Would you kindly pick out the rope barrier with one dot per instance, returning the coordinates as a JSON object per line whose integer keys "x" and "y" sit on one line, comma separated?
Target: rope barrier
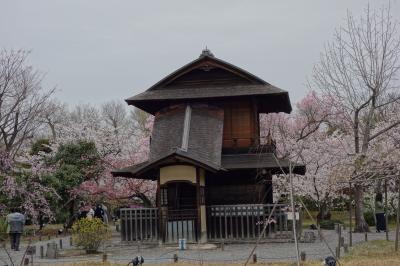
{"x": 184, "y": 258}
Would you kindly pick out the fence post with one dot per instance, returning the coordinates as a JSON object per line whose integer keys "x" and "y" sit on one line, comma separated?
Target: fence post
{"x": 61, "y": 243}
{"x": 350, "y": 216}
{"x": 300, "y": 222}
{"x": 386, "y": 213}
{"x": 303, "y": 256}
{"x": 41, "y": 252}
{"x": 254, "y": 258}
{"x": 339, "y": 232}
{"x": 346, "y": 248}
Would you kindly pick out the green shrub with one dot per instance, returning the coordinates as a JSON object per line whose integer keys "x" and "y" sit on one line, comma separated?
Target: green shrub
{"x": 369, "y": 217}
{"x": 90, "y": 234}
{"x": 310, "y": 203}
{"x": 61, "y": 216}
{"x": 329, "y": 224}
{"x": 3, "y": 229}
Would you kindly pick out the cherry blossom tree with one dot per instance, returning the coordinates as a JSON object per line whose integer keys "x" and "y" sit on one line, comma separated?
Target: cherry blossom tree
{"x": 119, "y": 144}
{"x": 306, "y": 137}
{"x": 358, "y": 71}
{"x": 317, "y": 135}
{"x": 21, "y": 186}
{"x": 22, "y": 100}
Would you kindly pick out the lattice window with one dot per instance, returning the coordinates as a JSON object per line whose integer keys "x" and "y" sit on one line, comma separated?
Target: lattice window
{"x": 164, "y": 196}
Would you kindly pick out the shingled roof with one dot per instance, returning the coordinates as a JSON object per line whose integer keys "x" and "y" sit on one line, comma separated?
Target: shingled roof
{"x": 169, "y": 141}
{"x": 202, "y": 122}
{"x": 149, "y": 169}
{"x": 229, "y": 162}
{"x": 211, "y": 78}
{"x": 259, "y": 161}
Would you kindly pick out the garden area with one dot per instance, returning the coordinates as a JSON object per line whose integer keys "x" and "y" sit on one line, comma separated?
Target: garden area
{"x": 58, "y": 159}
{"x": 374, "y": 253}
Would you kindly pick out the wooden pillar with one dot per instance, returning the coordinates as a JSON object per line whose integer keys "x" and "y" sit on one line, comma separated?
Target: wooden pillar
{"x": 201, "y": 207}
{"x": 256, "y": 120}
{"x": 269, "y": 189}
{"x": 158, "y": 194}
{"x": 161, "y": 214}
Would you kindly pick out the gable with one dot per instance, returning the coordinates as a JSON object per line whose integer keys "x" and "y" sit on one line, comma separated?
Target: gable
{"x": 206, "y": 71}
{"x": 206, "y": 76}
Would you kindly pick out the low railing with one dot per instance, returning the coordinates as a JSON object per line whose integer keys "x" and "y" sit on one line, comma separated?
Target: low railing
{"x": 246, "y": 222}
{"x": 139, "y": 224}
{"x": 180, "y": 224}
{"x": 224, "y": 223}
{"x": 148, "y": 225}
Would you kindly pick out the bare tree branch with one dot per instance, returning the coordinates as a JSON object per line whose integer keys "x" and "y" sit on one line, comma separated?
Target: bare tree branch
{"x": 22, "y": 100}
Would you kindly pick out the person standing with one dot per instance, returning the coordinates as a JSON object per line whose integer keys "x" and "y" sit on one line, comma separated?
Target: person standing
{"x": 16, "y": 222}
{"x": 105, "y": 216}
{"x": 99, "y": 212}
{"x": 90, "y": 213}
{"x": 83, "y": 210}
{"x": 379, "y": 213}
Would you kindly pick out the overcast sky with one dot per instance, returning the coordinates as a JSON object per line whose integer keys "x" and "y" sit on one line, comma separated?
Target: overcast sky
{"x": 95, "y": 51}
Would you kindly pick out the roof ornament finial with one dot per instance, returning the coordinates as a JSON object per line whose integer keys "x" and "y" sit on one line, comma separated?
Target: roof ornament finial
{"x": 206, "y": 52}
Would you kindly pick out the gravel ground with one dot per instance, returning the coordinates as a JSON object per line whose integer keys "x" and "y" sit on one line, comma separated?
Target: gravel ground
{"x": 121, "y": 252}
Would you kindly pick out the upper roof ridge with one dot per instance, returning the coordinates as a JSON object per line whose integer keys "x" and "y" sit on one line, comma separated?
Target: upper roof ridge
{"x": 206, "y": 52}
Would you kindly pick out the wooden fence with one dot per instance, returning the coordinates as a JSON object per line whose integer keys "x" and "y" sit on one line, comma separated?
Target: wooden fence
{"x": 180, "y": 224}
{"x": 246, "y": 222}
{"x": 224, "y": 223}
{"x": 139, "y": 224}
{"x": 143, "y": 224}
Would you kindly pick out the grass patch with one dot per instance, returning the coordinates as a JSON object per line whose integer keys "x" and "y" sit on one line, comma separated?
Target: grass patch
{"x": 192, "y": 264}
{"x": 342, "y": 216}
{"x": 372, "y": 253}
{"x": 373, "y": 249}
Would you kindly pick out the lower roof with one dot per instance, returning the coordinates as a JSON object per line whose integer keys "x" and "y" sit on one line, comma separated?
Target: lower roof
{"x": 149, "y": 169}
{"x": 229, "y": 162}
{"x": 270, "y": 98}
{"x": 260, "y": 161}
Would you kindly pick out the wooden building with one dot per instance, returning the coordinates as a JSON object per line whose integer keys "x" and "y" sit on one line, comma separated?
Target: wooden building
{"x": 213, "y": 172}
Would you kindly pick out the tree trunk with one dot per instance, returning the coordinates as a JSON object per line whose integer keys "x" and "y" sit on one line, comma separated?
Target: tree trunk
{"x": 146, "y": 201}
{"x": 323, "y": 213}
{"x": 71, "y": 208}
{"x": 361, "y": 224}
{"x": 53, "y": 131}
{"x": 378, "y": 186}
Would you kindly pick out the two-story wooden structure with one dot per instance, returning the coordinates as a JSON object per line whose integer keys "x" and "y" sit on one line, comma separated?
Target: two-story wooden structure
{"x": 214, "y": 175}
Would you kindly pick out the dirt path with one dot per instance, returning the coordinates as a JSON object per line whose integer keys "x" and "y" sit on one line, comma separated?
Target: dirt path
{"x": 123, "y": 253}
